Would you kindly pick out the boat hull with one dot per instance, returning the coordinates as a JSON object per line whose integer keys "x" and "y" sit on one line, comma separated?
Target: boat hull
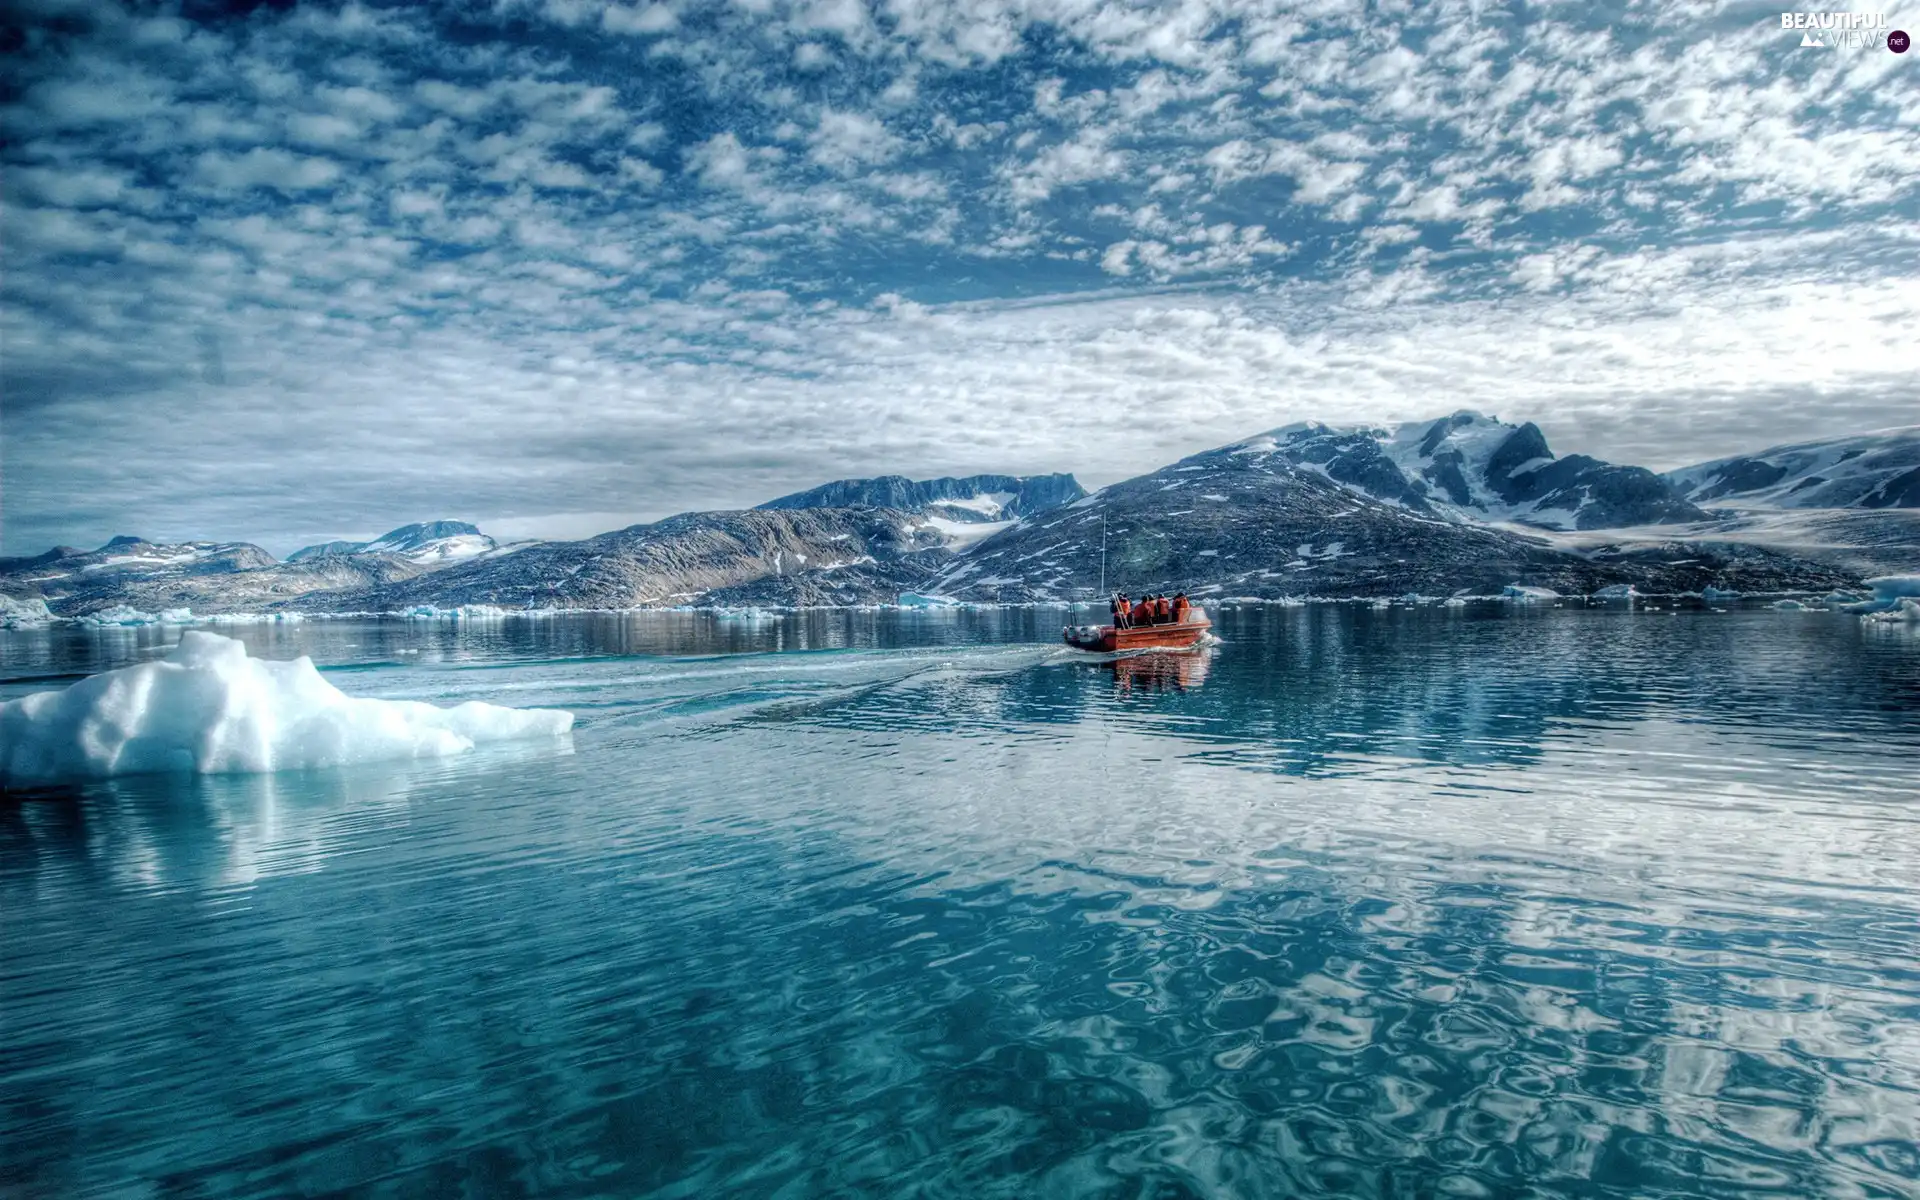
{"x": 1105, "y": 639}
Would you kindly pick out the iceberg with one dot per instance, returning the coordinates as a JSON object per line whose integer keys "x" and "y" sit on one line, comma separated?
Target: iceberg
{"x": 1888, "y": 593}
{"x": 126, "y": 614}
{"x": 1528, "y": 595}
{"x": 1790, "y": 606}
{"x": 1617, "y": 591}
{"x": 1711, "y": 593}
{"x": 23, "y": 614}
{"x": 916, "y": 600}
{"x": 1908, "y": 611}
{"x": 209, "y": 708}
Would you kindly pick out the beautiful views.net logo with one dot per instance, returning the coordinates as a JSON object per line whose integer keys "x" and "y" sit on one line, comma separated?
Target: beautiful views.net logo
{"x": 1825, "y": 30}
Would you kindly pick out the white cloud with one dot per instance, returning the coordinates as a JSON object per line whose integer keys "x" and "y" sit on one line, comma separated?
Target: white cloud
{"x": 599, "y": 213}
{"x": 844, "y": 140}
{"x": 640, "y": 19}
{"x": 264, "y": 167}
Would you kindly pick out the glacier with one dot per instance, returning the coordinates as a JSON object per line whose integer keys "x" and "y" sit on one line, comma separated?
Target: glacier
{"x": 209, "y": 708}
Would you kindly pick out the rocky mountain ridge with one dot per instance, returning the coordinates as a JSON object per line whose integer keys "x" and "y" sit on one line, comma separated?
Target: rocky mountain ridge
{"x": 969, "y": 499}
{"x": 1464, "y": 504}
{"x": 1474, "y": 468}
{"x": 426, "y": 542}
{"x": 1873, "y": 470}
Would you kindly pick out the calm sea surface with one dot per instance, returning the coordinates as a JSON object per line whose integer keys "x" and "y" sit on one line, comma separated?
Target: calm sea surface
{"x": 1404, "y": 903}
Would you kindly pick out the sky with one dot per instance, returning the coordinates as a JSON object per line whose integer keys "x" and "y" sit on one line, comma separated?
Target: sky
{"x": 285, "y": 273}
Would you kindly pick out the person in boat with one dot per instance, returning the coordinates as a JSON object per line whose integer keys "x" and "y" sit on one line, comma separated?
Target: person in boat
{"x": 1162, "y": 609}
{"x": 1142, "y": 613}
{"x": 1181, "y": 607}
{"x": 1120, "y": 610}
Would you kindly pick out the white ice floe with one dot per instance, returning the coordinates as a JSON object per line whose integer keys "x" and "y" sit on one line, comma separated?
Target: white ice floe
{"x": 126, "y": 614}
{"x": 23, "y": 614}
{"x": 916, "y": 600}
{"x": 745, "y": 614}
{"x": 209, "y": 708}
{"x": 1618, "y": 591}
{"x": 1908, "y": 611}
{"x": 1888, "y": 592}
{"x": 1522, "y": 594}
{"x": 461, "y": 612}
{"x": 1790, "y": 606}
{"x": 1711, "y": 593}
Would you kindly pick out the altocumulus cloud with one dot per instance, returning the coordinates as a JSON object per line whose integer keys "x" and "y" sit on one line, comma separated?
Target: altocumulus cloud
{"x": 315, "y": 270}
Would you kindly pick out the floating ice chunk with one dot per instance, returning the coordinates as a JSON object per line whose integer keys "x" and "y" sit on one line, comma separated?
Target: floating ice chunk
{"x": 1617, "y": 591}
{"x": 1908, "y": 611}
{"x": 916, "y": 600}
{"x": 1456, "y": 602}
{"x": 1711, "y": 593}
{"x": 23, "y": 614}
{"x": 1789, "y": 606}
{"x": 209, "y": 708}
{"x": 1839, "y": 597}
{"x": 126, "y": 614}
{"x": 1521, "y": 594}
{"x": 460, "y": 612}
{"x": 1888, "y": 592}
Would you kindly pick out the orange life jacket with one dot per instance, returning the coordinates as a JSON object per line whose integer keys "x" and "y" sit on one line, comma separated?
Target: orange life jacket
{"x": 1163, "y": 608}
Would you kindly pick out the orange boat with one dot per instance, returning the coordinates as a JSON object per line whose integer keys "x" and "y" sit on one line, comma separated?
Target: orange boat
{"x": 1105, "y": 639}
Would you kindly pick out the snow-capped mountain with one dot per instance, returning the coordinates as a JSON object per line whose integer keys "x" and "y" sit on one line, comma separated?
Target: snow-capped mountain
{"x": 843, "y": 555}
{"x": 128, "y": 557}
{"x": 972, "y": 499}
{"x": 1248, "y": 520}
{"x": 212, "y": 576}
{"x": 1431, "y": 507}
{"x": 1872, "y": 470}
{"x": 428, "y": 543}
{"x": 1469, "y": 467}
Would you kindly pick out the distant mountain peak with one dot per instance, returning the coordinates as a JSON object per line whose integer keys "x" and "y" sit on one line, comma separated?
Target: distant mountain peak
{"x": 421, "y": 532}
{"x": 966, "y": 499}
{"x": 1468, "y": 466}
{"x": 1869, "y": 470}
{"x": 425, "y": 542}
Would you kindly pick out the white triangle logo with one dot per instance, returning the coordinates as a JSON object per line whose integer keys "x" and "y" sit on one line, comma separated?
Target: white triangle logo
{"x": 1807, "y": 39}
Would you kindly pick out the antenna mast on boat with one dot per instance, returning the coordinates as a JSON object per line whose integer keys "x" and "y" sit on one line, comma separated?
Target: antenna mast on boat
{"x": 1103, "y": 550}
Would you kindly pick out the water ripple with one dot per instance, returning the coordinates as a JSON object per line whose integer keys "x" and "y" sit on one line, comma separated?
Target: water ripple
{"x": 1358, "y": 904}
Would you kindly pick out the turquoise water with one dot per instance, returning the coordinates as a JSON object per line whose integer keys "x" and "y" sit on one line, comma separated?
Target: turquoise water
{"x": 1398, "y": 903}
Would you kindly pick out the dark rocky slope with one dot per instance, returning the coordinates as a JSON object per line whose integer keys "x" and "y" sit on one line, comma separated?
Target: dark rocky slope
{"x": 675, "y": 561}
